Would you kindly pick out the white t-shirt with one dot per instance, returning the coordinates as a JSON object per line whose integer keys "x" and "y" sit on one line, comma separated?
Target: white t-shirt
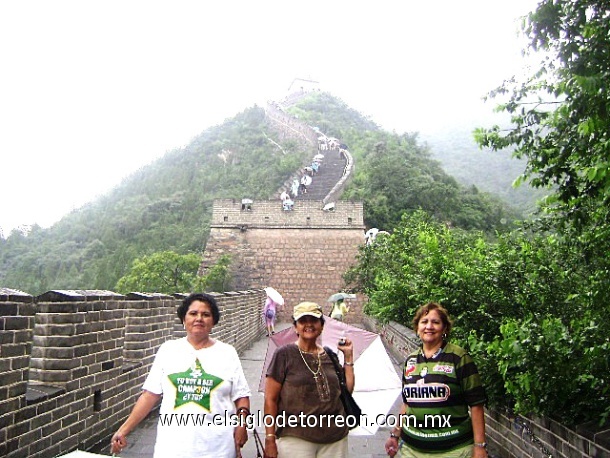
{"x": 196, "y": 385}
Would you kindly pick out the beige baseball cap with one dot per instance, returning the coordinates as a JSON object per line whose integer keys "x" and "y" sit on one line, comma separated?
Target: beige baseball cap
{"x": 307, "y": 308}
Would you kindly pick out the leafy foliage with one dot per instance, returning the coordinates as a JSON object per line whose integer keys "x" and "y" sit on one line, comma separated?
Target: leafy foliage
{"x": 521, "y": 304}
{"x": 561, "y": 127}
{"x": 218, "y": 277}
{"x": 560, "y": 116}
{"x": 532, "y": 305}
{"x": 169, "y": 272}
{"x": 164, "y": 272}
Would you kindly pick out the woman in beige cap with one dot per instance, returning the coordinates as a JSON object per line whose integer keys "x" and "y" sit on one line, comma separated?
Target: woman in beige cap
{"x": 304, "y": 416}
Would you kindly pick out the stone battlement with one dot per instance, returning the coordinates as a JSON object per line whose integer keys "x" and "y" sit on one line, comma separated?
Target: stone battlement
{"x": 231, "y": 213}
{"x": 72, "y": 363}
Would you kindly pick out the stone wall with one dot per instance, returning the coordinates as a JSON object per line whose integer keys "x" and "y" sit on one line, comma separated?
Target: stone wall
{"x": 16, "y": 329}
{"x": 509, "y": 435}
{"x": 228, "y": 213}
{"x": 72, "y": 363}
{"x": 302, "y": 253}
{"x": 289, "y": 127}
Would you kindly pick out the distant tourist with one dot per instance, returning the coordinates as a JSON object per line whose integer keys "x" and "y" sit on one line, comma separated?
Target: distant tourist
{"x": 193, "y": 376}
{"x": 288, "y": 205}
{"x": 305, "y": 181}
{"x": 270, "y": 314}
{"x": 339, "y": 310}
{"x": 295, "y": 187}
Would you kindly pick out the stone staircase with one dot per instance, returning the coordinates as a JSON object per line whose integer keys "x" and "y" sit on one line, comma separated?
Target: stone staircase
{"x": 329, "y": 173}
{"x": 336, "y": 168}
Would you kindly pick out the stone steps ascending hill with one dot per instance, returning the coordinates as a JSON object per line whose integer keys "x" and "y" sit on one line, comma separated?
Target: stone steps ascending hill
{"x": 329, "y": 173}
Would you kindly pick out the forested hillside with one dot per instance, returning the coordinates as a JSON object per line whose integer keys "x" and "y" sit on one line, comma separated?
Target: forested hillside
{"x": 163, "y": 206}
{"x": 397, "y": 174}
{"x": 489, "y": 171}
{"x": 166, "y": 206}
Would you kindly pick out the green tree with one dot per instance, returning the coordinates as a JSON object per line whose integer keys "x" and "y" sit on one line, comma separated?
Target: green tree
{"x": 561, "y": 126}
{"x": 520, "y": 304}
{"x": 164, "y": 272}
{"x": 218, "y": 277}
{"x": 561, "y": 113}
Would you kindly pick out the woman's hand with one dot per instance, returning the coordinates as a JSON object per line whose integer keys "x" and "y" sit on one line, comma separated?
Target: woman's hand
{"x": 391, "y": 446}
{"x": 240, "y": 434}
{"x": 270, "y": 447}
{"x": 347, "y": 349}
{"x": 479, "y": 452}
{"x": 144, "y": 405}
{"x": 118, "y": 442}
{"x": 348, "y": 365}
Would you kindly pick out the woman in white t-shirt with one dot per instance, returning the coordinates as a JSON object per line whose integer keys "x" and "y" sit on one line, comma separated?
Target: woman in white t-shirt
{"x": 205, "y": 396}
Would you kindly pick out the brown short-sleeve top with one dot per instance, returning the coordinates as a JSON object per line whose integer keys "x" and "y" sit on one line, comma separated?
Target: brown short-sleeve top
{"x": 302, "y": 397}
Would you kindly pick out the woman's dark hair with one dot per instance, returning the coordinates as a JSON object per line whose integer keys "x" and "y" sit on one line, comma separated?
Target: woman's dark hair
{"x": 427, "y": 308}
{"x": 203, "y": 297}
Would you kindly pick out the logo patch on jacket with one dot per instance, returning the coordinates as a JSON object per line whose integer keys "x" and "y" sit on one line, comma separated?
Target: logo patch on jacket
{"x": 426, "y": 392}
{"x": 410, "y": 367}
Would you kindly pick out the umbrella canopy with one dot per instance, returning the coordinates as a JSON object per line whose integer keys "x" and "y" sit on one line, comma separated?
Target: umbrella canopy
{"x": 274, "y": 295}
{"x": 338, "y": 296}
{"x": 80, "y": 454}
{"x": 377, "y": 383}
{"x": 319, "y": 156}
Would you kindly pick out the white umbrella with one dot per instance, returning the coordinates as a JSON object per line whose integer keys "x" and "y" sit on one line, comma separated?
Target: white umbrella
{"x": 377, "y": 383}
{"x": 80, "y": 454}
{"x": 319, "y": 156}
{"x": 274, "y": 295}
{"x": 338, "y": 296}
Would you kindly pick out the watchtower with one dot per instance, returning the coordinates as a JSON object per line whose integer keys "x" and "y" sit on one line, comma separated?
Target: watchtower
{"x": 302, "y": 253}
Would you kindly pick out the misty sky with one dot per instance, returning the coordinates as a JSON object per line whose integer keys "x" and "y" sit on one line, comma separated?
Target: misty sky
{"x": 90, "y": 91}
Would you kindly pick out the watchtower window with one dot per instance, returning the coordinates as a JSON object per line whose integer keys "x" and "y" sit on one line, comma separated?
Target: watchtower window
{"x": 349, "y": 221}
{"x": 246, "y": 205}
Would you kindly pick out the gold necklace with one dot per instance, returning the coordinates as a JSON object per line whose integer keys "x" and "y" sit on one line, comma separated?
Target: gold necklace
{"x": 315, "y": 374}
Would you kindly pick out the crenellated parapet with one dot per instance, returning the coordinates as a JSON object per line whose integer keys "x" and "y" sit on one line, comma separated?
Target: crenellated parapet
{"x": 231, "y": 213}
{"x": 72, "y": 363}
{"x": 290, "y": 127}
